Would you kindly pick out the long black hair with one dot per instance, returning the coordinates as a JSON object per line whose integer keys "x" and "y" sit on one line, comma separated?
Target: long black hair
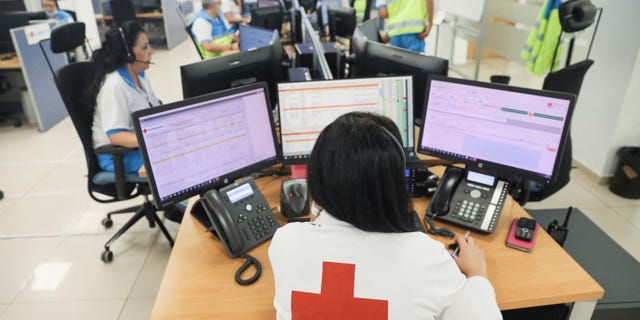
{"x": 356, "y": 173}
{"x": 111, "y": 56}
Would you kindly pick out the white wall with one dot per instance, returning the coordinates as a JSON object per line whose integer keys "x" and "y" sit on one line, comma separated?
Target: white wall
{"x": 606, "y": 116}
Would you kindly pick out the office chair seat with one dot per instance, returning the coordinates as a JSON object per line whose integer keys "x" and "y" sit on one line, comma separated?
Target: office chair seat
{"x": 104, "y": 187}
{"x": 105, "y": 178}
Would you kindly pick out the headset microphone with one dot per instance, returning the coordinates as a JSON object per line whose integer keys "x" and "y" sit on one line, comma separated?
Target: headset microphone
{"x": 145, "y": 62}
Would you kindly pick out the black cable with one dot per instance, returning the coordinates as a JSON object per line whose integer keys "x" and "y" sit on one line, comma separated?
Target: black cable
{"x": 437, "y": 231}
{"x": 247, "y": 263}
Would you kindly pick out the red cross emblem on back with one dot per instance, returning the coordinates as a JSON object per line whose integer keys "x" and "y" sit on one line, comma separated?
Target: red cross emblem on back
{"x": 336, "y": 300}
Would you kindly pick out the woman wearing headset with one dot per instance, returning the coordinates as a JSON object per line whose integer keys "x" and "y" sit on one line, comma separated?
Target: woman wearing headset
{"x": 362, "y": 256}
{"x": 119, "y": 88}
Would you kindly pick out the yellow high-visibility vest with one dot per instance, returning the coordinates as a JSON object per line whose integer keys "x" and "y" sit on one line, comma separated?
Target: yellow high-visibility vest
{"x": 406, "y": 17}
{"x": 543, "y": 40}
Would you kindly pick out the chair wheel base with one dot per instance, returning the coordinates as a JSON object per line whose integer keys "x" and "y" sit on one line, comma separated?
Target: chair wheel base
{"x": 107, "y": 222}
{"x": 107, "y": 256}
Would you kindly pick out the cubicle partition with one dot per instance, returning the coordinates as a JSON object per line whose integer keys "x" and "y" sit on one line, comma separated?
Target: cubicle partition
{"x": 47, "y": 104}
{"x": 320, "y": 65}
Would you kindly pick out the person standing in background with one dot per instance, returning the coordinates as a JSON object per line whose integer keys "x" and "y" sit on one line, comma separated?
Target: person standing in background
{"x": 408, "y": 22}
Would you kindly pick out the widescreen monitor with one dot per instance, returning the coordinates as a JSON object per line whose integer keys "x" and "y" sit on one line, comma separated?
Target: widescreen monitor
{"x": 195, "y": 145}
{"x": 370, "y": 29}
{"x": 382, "y": 59}
{"x": 255, "y": 37}
{"x": 500, "y": 130}
{"x": 12, "y": 20}
{"x": 267, "y": 17}
{"x": 233, "y": 70}
{"x": 307, "y": 107}
{"x": 340, "y": 20}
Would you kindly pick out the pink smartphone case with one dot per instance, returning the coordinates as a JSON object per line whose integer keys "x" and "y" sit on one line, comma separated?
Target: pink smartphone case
{"x": 516, "y": 243}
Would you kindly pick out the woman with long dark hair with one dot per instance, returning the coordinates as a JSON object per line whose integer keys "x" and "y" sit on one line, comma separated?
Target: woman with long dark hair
{"x": 362, "y": 258}
{"x": 119, "y": 88}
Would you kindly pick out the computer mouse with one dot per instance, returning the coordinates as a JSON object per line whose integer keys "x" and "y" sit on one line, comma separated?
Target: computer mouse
{"x": 294, "y": 200}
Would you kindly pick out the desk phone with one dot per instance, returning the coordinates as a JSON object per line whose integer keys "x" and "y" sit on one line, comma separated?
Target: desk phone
{"x": 240, "y": 216}
{"x": 469, "y": 199}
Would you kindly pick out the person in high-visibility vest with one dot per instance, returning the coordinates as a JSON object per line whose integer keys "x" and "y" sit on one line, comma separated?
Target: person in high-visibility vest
{"x": 408, "y": 21}
{"x": 210, "y": 32}
{"x": 360, "y": 6}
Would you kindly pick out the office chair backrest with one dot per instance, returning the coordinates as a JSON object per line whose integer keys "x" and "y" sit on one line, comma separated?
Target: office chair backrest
{"x": 568, "y": 79}
{"x": 123, "y": 11}
{"x": 71, "y": 80}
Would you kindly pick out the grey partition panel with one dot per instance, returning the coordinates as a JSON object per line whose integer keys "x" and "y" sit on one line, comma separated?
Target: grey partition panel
{"x": 48, "y": 106}
{"x": 173, "y": 25}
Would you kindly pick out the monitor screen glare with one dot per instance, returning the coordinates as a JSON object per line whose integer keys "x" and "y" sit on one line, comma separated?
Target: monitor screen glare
{"x": 506, "y": 127}
{"x": 307, "y": 107}
{"x": 197, "y": 146}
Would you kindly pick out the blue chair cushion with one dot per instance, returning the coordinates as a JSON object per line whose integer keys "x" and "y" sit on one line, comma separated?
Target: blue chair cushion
{"x": 104, "y": 177}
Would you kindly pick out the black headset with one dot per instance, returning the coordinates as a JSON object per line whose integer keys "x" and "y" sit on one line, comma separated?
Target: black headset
{"x": 130, "y": 57}
{"x": 399, "y": 145}
{"x": 576, "y": 15}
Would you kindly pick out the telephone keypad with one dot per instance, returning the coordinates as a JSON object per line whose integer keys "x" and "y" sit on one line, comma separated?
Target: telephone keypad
{"x": 476, "y": 206}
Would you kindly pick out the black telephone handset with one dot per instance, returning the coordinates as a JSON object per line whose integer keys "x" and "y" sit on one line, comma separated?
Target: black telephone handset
{"x": 441, "y": 200}
{"x": 222, "y": 222}
{"x": 242, "y": 218}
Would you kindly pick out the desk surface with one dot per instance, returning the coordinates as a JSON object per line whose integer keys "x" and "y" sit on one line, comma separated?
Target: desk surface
{"x": 199, "y": 278}
{"x": 10, "y": 64}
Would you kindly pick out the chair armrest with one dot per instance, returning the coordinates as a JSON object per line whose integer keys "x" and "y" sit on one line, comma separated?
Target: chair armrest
{"x": 118, "y": 166}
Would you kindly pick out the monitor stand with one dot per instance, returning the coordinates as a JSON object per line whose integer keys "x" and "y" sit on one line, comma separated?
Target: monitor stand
{"x": 298, "y": 171}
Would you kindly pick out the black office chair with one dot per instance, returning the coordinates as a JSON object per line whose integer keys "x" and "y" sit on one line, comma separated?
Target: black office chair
{"x": 567, "y": 80}
{"x": 104, "y": 187}
{"x": 187, "y": 28}
{"x": 122, "y": 11}
{"x": 9, "y": 111}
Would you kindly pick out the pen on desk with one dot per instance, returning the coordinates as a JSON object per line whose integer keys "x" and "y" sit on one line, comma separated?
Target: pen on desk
{"x": 455, "y": 252}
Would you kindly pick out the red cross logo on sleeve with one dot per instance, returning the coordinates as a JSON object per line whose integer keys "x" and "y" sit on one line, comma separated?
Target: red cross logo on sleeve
{"x": 336, "y": 300}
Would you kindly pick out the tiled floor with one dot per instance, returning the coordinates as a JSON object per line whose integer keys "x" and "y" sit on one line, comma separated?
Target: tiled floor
{"x": 51, "y": 237}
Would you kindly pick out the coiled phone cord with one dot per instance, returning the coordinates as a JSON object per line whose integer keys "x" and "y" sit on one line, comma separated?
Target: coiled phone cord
{"x": 437, "y": 231}
{"x": 247, "y": 263}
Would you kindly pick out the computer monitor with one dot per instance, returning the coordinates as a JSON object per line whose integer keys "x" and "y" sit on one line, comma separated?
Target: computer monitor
{"x": 357, "y": 50}
{"x": 307, "y": 107}
{"x": 198, "y": 144}
{"x": 12, "y": 5}
{"x": 370, "y": 29}
{"x": 267, "y": 17}
{"x": 233, "y": 70}
{"x": 500, "y": 130}
{"x": 341, "y": 20}
{"x": 8, "y": 21}
{"x": 383, "y": 59}
{"x": 147, "y": 5}
{"x": 255, "y": 37}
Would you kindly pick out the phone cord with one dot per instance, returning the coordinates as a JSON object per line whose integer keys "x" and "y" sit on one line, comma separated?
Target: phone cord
{"x": 247, "y": 263}
{"x": 437, "y": 231}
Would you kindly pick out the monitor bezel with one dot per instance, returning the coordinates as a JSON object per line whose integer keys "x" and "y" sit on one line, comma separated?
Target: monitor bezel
{"x": 492, "y": 168}
{"x": 410, "y": 150}
{"x": 225, "y": 179}
{"x": 199, "y": 72}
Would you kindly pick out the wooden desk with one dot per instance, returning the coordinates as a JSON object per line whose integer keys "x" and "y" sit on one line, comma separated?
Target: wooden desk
{"x": 10, "y": 64}
{"x": 199, "y": 279}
